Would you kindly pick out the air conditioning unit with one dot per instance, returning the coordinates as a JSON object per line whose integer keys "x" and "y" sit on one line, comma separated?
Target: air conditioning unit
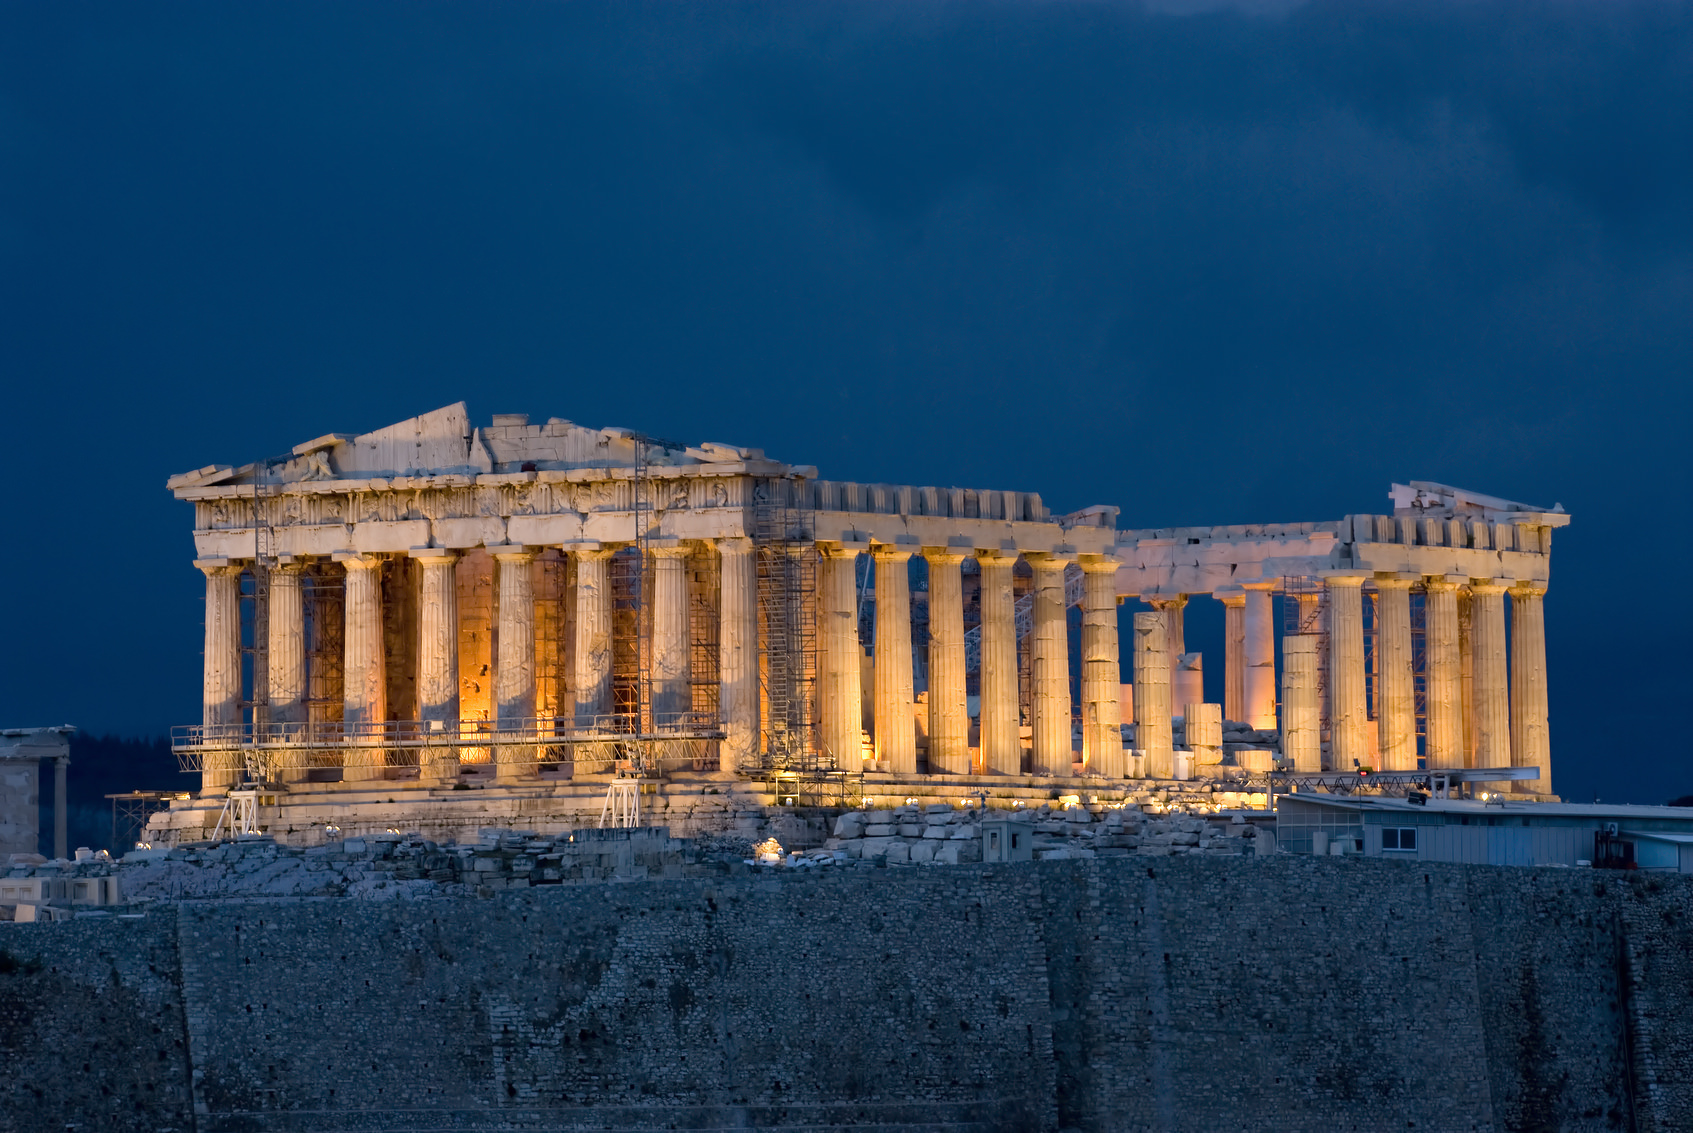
{"x": 1611, "y": 829}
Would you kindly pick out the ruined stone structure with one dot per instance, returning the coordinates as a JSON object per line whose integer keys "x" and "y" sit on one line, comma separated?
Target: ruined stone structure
{"x": 437, "y": 605}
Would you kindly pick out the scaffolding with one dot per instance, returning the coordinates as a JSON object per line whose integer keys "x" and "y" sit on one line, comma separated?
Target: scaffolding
{"x": 1305, "y": 611}
{"x": 787, "y": 604}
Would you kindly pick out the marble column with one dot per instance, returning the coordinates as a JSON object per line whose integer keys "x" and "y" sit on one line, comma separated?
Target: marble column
{"x": 1049, "y": 670}
{"x": 672, "y": 694}
{"x": 1175, "y": 634}
{"x": 1001, "y": 738}
{"x": 896, "y": 723}
{"x": 843, "y": 695}
{"x": 1466, "y": 672}
{"x": 1492, "y": 684}
{"x": 1152, "y": 695}
{"x": 1102, "y": 704}
{"x": 1258, "y": 681}
{"x": 949, "y": 713}
{"x": 737, "y": 663}
{"x": 1234, "y": 654}
{"x": 438, "y": 660}
{"x": 364, "y": 701}
{"x": 593, "y": 634}
{"x": 1349, "y": 719}
{"x": 285, "y": 648}
{"x": 1396, "y": 693}
{"x": 1531, "y": 743}
{"x": 1302, "y": 710}
{"x": 1444, "y": 743}
{"x": 221, "y": 685}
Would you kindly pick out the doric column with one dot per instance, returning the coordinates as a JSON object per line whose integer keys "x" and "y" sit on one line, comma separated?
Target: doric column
{"x": 1531, "y": 742}
{"x": 1234, "y": 654}
{"x": 1102, "y": 704}
{"x": 438, "y": 656}
{"x": 672, "y": 696}
{"x": 1466, "y": 672}
{"x": 1175, "y": 634}
{"x": 1001, "y": 739}
{"x": 514, "y": 677}
{"x": 365, "y": 685}
{"x": 221, "y": 687}
{"x": 1258, "y": 683}
{"x": 1444, "y": 745}
{"x": 949, "y": 713}
{"x": 896, "y": 724}
{"x": 593, "y": 633}
{"x": 1302, "y": 710}
{"x": 842, "y": 695}
{"x": 1396, "y": 693}
{"x": 285, "y": 646}
{"x": 737, "y": 664}
{"x": 1049, "y": 664}
{"x": 1152, "y": 695}
{"x": 1492, "y": 684}
{"x": 1348, "y": 714}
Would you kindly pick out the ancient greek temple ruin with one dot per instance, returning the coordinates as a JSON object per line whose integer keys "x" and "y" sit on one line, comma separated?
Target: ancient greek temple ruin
{"x": 440, "y": 606}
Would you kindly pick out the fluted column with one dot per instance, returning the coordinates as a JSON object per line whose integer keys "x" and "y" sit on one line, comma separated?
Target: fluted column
{"x": 1348, "y": 714}
{"x": 1302, "y": 710}
{"x": 593, "y": 633}
{"x": 1444, "y": 745}
{"x": 1102, "y": 703}
{"x": 1258, "y": 683}
{"x": 737, "y": 640}
{"x": 1001, "y": 739}
{"x": 949, "y": 714}
{"x": 671, "y": 664}
{"x": 1152, "y": 695}
{"x": 285, "y": 646}
{"x": 1234, "y": 654}
{"x": 1049, "y": 664}
{"x": 1531, "y": 741}
{"x": 1492, "y": 686}
{"x": 1175, "y": 633}
{"x": 1396, "y": 693}
{"x": 843, "y": 695}
{"x": 1466, "y": 671}
{"x": 365, "y": 685}
{"x": 896, "y": 724}
{"x": 438, "y": 657}
{"x": 221, "y": 683}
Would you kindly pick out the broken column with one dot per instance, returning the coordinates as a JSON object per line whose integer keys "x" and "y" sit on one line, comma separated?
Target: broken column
{"x": 843, "y": 697}
{"x": 896, "y": 726}
{"x": 672, "y": 694}
{"x": 1531, "y": 743}
{"x": 221, "y": 685}
{"x": 949, "y": 715}
{"x": 1152, "y": 695}
{"x": 737, "y": 665}
{"x": 1002, "y": 747}
{"x": 1234, "y": 653}
{"x": 1175, "y": 635}
{"x": 1492, "y": 685}
{"x": 1102, "y": 718}
{"x": 1348, "y": 714}
{"x": 1396, "y": 697}
{"x": 438, "y": 660}
{"x": 1203, "y": 729}
{"x": 1049, "y": 663}
{"x": 1302, "y": 710}
{"x": 1187, "y": 680}
{"x": 1259, "y": 647}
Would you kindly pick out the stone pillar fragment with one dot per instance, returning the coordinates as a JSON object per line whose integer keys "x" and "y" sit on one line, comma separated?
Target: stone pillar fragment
{"x": 1152, "y": 695}
{"x": 364, "y": 710}
{"x": 1348, "y": 714}
{"x": 1492, "y": 685}
{"x": 285, "y": 647}
{"x": 1049, "y": 684}
{"x": 593, "y": 634}
{"x": 438, "y": 660}
{"x": 672, "y": 695}
{"x": 843, "y": 695}
{"x": 1102, "y": 706}
{"x": 737, "y": 698}
{"x": 896, "y": 725}
{"x": 1396, "y": 694}
{"x": 1531, "y": 743}
{"x": 1234, "y": 655}
{"x": 1258, "y": 683}
{"x": 1302, "y": 713}
{"x": 949, "y": 714}
{"x": 1002, "y": 746}
{"x": 1175, "y": 634}
{"x": 1444, "y": 743}
{"x": 221, "y": 681}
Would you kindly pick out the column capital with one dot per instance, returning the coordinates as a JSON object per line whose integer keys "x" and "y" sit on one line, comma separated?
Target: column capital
{"x": 1165, "y": 602}
{"x": 1230, "y": 597}
{"x": 215, "y": 566}
{"x": 670, "y": 548}
{"x": 588, "y": 549}
{"x": 1393, "y": 580}
{"x": 892, "y": 551}
{"x": 1528, "y": 587}
{"x": 947, "y": 556}
{"x": 354, "y": 560}
{"x": 1100, "y": 564}
{"x": 733, "y": 544}
{"x": 1050, "y": 560}
{"x": 1443, "y": 582}
{"x": 1344, "y": 577}
{"x": 996, "y": 555}
{"x": 1490, "y": 585}
{"x": 1265, "y": 584}
{"x": 512, "y": 552}
{"x": 434, "y": 556}
{"x": 842, "y": 548}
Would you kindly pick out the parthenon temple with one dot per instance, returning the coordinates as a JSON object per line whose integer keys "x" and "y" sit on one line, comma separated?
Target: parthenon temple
{"x": 523, "y": 610}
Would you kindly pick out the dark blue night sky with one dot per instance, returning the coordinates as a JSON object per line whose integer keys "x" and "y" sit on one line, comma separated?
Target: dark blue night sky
{"x": 1211, "y": 263}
